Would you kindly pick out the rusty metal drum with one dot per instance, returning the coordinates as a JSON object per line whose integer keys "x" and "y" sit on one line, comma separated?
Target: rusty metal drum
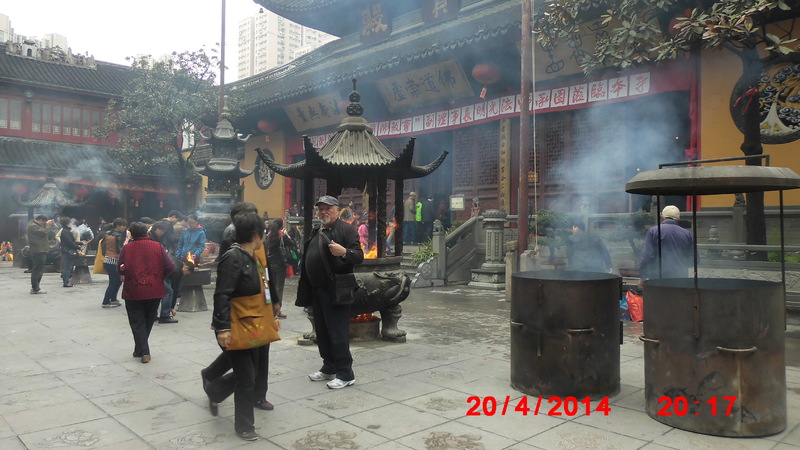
{"x": 565, "y": 333}
{"x": 714, "y": 355}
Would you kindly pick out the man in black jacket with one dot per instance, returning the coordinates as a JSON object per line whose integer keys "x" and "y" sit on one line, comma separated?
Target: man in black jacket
{"x": 428, "y": 216}
{"x": 70, "y": 247}
{"x": 587, "y": 252}
{"x": 331, "y": 249}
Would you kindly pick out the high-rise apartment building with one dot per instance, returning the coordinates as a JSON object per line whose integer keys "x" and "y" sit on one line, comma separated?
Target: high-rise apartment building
{"x": 5, "y": 28}
{"x": 267, "y": 40}
{"x": 7, "y": 34}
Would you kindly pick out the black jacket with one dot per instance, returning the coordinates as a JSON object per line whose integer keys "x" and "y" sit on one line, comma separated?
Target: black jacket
{"x": 228, "y": 238}
{"x": 274, "y": 250}
{"x": 588, "y": 253}
{"x": 68, "y": 244}
{"x": 237, "y": 276}
{"x": 343, "y": 234}
{"x": 428, "y": 211}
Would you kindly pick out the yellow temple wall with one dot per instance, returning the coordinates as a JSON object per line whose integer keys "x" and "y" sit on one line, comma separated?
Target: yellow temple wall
{"x": 270, "y": 200}
{"x": 719, "y": 136}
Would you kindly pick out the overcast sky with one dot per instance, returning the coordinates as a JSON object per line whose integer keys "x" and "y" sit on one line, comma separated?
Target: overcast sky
{"x": 112, "y": 30}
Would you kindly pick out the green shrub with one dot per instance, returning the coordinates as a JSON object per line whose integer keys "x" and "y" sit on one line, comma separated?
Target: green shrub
{"x": 774, "y": 238}
{"x": 423, "y": 253}
{"x": 425, "y": 250}
{"x": 553, "y": 227}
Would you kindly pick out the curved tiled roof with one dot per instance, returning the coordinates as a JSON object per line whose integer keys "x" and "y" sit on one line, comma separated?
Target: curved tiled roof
{"x": 337, "y": 62}
{"x": 336, "y": 17}
{"x": 75, "y": 163}
{"x": 105, "y": 79}
{"x": 354, "y": 145}
{"x": 301, "y": 6}
{"x": 16, "y": 153}
{"x": 49, "y": 195}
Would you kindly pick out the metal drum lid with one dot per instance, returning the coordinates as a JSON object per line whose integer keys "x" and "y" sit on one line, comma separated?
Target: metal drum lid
{"x": 706, "y": 180}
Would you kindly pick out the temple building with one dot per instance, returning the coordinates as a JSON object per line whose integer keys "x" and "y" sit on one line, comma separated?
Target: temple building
{"x": 447, "y": 73}
{"x": 51, "y": 103}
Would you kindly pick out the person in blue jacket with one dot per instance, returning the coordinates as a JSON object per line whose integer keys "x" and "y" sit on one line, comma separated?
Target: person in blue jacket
{"x": 677, "y": 245}
{"x": 193, "y": 239}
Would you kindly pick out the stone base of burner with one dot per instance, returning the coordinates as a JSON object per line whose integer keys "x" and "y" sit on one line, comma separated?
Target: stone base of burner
{"x": 365, "y": 330}
{"x": 82, "y": 274}
{"x": 492, "y": 279}
{"x": 379, "y": 292}
{"x": 192, "y": 298}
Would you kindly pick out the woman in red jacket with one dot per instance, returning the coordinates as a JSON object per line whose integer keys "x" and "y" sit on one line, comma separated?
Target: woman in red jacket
{"x": 143, "y": 264}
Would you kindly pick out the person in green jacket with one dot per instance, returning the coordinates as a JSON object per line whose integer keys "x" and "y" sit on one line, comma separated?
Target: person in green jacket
{"x": 420, "y": 228}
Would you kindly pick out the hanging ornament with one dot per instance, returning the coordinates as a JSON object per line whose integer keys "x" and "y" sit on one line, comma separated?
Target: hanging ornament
{"x": 486, "y": 74}
{"x": 20, "y": 189}
{"x": 161, "y": 197}
{"x": 267, "y": 126}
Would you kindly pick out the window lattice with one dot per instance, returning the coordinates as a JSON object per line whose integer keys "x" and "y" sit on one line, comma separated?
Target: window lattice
{"x": 579, "y": 162}
{"x": 487, "y": 149}
{"x": 320, "y": 187}
{"x": 463, "y": 170}
{"x": 551, "y": 147}
{"x": 475, "y": 156}
{"x": 613, "y": 135}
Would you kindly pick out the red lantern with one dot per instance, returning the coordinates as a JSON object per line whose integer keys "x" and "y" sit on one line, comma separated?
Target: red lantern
{"x": 673, "y": 24}
{"x": 138, "y": 195}
{"x": 113, "y": 193}
{"x": 267, "y": 126}
{"x": 161, "y": 197}
{"x": 81, "y": 192}
{"x": 20, "y": 189}
{"x": 486, "y": 74}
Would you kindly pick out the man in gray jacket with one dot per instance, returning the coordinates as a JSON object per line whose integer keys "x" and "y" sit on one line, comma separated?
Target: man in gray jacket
{"x": 39, "y": 245}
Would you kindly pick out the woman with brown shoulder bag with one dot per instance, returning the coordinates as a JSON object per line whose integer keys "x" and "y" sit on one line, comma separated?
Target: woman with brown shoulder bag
{"x": 244, "y": 323}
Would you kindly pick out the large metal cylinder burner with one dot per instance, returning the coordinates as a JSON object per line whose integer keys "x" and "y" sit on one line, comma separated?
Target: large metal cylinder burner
{"x": 714, "y": 356}
{"x": 714, "y": 348}
{"x": 565, "y": 333}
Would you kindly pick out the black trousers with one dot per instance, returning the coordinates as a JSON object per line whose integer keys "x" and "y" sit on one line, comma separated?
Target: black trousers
{"x": 220, "y": 367}
{"x": 332, "y": 324}
{"x": 141, "y": 316}
{"x": 38, "y": 261}
{"x": 249, "y": 366}
{"x": 277, "y": 277}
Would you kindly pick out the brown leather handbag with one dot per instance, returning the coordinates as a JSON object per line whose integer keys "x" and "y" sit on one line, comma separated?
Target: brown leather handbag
{"x": 252, "y": 322}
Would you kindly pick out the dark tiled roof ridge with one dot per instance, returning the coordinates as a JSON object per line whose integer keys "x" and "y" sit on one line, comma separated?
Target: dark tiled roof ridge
{"x": 4, "y": 47}
{"x": 106, "y": 79}
{"x": 295, "y": 6}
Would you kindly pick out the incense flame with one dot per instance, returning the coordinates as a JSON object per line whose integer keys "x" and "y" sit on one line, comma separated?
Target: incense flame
{"x": 372, "y": 253}
{"x": 364, "y": 318}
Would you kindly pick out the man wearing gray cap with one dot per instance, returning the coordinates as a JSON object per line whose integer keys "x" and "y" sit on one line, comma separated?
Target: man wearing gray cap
{"x": 676, "y": 248}
{"x": 331, "y": 249}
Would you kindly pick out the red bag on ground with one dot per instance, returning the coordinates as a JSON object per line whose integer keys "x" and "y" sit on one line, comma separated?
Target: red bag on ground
{"x": 289, "y": 271}
{"x": 635, "y": 306}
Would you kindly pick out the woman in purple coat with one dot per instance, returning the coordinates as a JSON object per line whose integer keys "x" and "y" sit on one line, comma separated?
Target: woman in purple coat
{"x": 143, "y": 264}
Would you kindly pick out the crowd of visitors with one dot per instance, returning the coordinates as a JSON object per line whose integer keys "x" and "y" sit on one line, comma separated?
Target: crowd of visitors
{"x": 147, "y": 260}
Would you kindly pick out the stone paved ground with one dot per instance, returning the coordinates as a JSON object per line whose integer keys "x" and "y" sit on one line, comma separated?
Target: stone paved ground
{"x": 67, "y": 380}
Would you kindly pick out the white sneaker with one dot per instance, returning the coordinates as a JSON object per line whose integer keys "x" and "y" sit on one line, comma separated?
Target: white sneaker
{"x": 338, "y": 384}
{"x": 321, "y": 376}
